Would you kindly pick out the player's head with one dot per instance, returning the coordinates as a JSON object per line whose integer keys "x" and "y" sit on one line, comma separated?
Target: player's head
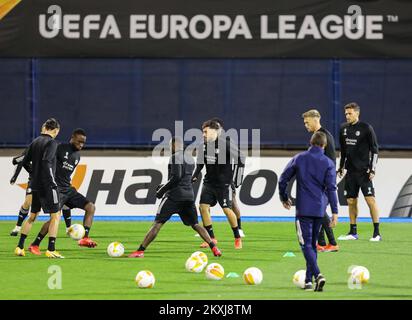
{"x": 352, "y": 112}
{"x": 318, "y": 139}
{"x": 51, "y": 127}
{"x": 221, "y": 124}
{"x": 78, "y": 138}
{"x": 311, "y": 119}
{"x": 176, "y": 144}
{"x": 210, "y": 130}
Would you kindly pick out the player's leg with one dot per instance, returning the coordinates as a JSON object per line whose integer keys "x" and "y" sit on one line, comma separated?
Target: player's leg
{"x": 236, "y": 210}
{"x": 204, "y": 209}
{"x": 224, "y": 197}
{"x": 67, "y": 216}
{"x": 90, "y": 209}
{"x": 166, "y": 209}
{"x": 207, "y": 200}
{"x": 188, "y": 214}
{"x": 351, "y": 192}
{"x": 231, "y": 217}
{"x": 35, "y": 209}
{"x": 369, "y": 193}
{"x": 35, "y": 245}
{"x": 321, "y": 240}
{"x": 305, "y": 231}
{"x": 332, "y": 246}
{"x": 374, "y": 212}
{"x": 50, "y": 203}
{"x": 148, "y": 239}
{"x": 53, "y": 230}
{"x": 23, "y": 213}
{"x": 319, "y": 278}
{"x": 24, "y": 232}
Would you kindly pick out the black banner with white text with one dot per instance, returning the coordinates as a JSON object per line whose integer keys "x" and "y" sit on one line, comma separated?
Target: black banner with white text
{"x": 206, "y": 28}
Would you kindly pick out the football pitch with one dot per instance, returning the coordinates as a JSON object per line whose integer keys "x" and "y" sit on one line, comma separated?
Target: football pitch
{"x": 91, "y": 274}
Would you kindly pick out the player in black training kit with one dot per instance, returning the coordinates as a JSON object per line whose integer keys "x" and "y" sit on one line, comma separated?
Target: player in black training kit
{"x": 235, "y": 206}
{"x": 219, "y": 155}
{"x": 67, "y": 159}
{"x": 359, "y": 156}
{"x": 42, "y": 156}
{"x": 311, "y": 120}
{"x": 177, "y": 197}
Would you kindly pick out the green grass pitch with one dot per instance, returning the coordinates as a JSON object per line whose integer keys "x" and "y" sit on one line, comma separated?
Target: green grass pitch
{"x": 91, "y": 274}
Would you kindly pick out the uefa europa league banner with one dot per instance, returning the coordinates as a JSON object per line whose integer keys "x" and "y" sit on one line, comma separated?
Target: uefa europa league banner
{"x": 126, "y": 186}
{"x": 206, "y": 28}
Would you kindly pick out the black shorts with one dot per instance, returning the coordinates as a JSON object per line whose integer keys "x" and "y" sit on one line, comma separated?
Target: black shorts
{"x": 217, "y": 194}
{"x": 358, "y": 180}
{"x": 185, "y": 209}
{"x": 72, "y": 199}
{"x": 48, "y": 200}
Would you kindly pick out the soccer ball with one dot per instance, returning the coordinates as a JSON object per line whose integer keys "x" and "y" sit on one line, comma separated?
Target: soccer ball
{"x": 194, "y": 264}
{"x": 360, "y": 274}
{"x": 215, "y": 271}
{"x": 76, "y": 231}
{"x": 253, "y": 276}
{"x": 202, "y": 256}
{"x": 145, "y": 279}
{"x": 299, "y": 278}
{"x": 115, "y": 249}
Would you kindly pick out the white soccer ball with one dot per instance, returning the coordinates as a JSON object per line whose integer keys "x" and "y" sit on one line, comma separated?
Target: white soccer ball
{"x": 360, "y": 275}
{"x": 253, "y": 276}
{"x": 194, "y": 264}
{"x": 299, "y": 278}
{"x": 202, "y": 256}
{"x": 145, "y": 279}
{"x": 76, "y": 231}
{"x": 215, "y": 271}
{"x": 115, "y": 249}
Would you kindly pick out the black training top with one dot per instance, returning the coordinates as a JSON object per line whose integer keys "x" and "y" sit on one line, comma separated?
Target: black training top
{"x": 67, "y": 158}
{"x": 359, "y": 147}
{"x": 221, "y": 158}
{"x": 179, "y": 185}
{"x": 42, "y": 155}
{"x": 330, "y": 147}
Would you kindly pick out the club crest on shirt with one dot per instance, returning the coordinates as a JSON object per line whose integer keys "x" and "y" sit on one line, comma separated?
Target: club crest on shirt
{"x": 344, "y": 132}
{"x": 66, "y": 156}
{"x": 357, "y": 133}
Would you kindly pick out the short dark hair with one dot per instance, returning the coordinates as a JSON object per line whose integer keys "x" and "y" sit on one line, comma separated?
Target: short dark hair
{"x": 79, "y": 131}
{"x": 319, "y": 139}
{"x": 219, "y": 121}
{"x": 211, "y": 124}
{"x": 353, "y": 105}
{"x": 51, "y": 124}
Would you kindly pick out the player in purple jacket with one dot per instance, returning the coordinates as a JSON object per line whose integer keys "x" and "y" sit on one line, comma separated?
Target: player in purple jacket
{"x": 316, "y": 184}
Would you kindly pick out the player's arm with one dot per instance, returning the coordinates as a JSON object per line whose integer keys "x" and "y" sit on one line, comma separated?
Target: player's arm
{"x": 176, "y": 174}
{"x": 330, "y": 182}
{"x": 47, "y": 161}
{"x": 18, "y": 163}
{"x": 288, "y": 173}
{"x": 26, "y": 162}
{"x": 239, "y": 163}
{"x": 374, "y": 149}
{"x": 342, "y": 153}
{"x": 200, "y": 163}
